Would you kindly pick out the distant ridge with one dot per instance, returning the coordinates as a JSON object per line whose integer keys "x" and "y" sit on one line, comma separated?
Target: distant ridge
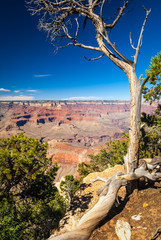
{"x": 64, "y": 102}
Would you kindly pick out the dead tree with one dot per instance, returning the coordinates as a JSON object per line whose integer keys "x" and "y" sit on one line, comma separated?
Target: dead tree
{"x": 59, "y": 18}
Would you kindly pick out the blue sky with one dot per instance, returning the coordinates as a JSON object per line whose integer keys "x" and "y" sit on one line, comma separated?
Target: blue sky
{"x": 30, "y": 69}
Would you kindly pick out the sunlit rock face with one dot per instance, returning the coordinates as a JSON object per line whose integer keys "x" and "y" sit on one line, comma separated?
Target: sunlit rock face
{"x": 72, "y": 128}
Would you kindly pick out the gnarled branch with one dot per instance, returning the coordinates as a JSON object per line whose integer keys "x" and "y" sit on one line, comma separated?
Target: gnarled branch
{"x": 91, "y": 219}
{"x": 109, "y": 193}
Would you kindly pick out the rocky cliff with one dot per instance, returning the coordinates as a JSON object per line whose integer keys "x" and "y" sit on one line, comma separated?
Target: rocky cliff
{"x": 107, "y": 118}
{"x": 73, "y": 128}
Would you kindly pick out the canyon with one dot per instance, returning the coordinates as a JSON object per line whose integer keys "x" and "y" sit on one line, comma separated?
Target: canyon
{"x": 73, "y": 129}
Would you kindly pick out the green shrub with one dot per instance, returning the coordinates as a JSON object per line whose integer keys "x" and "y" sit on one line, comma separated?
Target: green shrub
{"x": 69, "y": 186}
{"x": 150, "y": 146}
{"x": 30, "y": 206}
{"x": 111, "y": 155}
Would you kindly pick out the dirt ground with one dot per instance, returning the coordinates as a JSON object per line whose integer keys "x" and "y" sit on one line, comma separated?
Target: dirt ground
{"x": 142, "y": 209}
{"x": 144, "y": 206}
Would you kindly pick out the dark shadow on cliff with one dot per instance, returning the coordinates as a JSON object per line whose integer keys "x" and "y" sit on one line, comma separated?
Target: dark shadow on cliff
{"x": 80, "y": 201}
{"x": 115, "y": 210}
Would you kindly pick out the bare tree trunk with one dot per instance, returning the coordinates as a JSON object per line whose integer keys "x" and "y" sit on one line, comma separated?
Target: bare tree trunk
{"x": 135, "y": 93}
{"x": 134, "y": 131}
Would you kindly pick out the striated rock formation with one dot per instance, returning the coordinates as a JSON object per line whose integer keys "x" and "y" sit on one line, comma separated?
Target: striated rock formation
{"x": 80, "y": 118}
{"x": 70, "y": 127}
{"x": 87, "y": 123}
{"x": 68, "y": 157}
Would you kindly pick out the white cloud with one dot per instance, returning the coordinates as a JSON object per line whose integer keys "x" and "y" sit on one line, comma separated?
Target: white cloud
{"x": 83, "y": 98}
{"x": 17, "y": 91}
{"x": 43, "y": 75}
{"x": 4, "y": 90}
{"x": 31, "y": 90}
{"x": 16, "y": 98}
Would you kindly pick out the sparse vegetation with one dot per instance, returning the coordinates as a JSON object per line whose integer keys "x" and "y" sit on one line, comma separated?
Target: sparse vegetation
{"x": 69, "y": 186}
{"x": 108, "y": 157}
{"x": 150, "y": 144}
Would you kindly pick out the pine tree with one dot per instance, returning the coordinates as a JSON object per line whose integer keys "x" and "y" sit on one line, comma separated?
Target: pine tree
{"x": 30, "y": 205}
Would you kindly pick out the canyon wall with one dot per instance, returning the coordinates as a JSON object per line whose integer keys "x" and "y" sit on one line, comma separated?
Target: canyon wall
{"x": 73, "y": 129}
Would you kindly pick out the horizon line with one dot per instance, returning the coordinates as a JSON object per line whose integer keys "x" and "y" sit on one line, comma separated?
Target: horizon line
{"x": 59, "y": 100}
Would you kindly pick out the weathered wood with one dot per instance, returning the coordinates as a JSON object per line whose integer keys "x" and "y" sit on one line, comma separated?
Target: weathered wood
{"x": 152, "y": 163}
{"x": 93, "y": 217}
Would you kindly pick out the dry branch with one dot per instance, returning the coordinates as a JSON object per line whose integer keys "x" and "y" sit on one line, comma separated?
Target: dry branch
{"x": 118, "y": 16}
{"x": 152, "y": 164}
{"x": 141, "y": 36}
{"x": 107, "y": 199}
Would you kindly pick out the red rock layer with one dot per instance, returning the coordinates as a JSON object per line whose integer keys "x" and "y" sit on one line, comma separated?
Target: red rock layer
{"x": 67, "y": 112}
